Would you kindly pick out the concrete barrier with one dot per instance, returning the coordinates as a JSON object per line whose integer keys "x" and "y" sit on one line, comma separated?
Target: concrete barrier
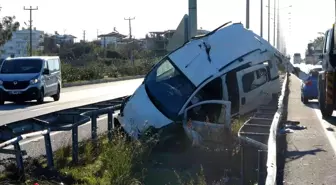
{"x": 272, "y": 146}
{"x": 104, "y": 80}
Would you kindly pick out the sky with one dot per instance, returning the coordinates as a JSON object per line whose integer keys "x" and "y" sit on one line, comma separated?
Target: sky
{"x": 307, "y": 17}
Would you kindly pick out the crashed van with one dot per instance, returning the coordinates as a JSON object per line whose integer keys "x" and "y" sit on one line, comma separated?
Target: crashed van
{"x": 197, "y": 89}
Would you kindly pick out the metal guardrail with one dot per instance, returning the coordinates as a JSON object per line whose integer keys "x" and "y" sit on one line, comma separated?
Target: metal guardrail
{"x": 260, "y": 132}
{"x": 65, "y": 120}
{"x": 272, "y": 147}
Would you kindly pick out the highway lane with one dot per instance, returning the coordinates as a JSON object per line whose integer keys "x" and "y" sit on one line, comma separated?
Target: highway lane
{"x": 70, "y": 97}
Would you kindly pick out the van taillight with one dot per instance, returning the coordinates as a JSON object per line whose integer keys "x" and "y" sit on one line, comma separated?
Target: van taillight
{"x": 309, "y": 82}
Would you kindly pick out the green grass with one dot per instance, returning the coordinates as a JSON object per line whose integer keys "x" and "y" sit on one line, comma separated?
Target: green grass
{"x": 123, "y": 162}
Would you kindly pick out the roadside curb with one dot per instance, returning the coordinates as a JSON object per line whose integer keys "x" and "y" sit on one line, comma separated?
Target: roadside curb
{"x": 272, "y": 140}
{"x": 99, "y": 81}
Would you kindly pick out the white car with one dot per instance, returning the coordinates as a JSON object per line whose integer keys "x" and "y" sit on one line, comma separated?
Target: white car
{"x": 197, "y": 88}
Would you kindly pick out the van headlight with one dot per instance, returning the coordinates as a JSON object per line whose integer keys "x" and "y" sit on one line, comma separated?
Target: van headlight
{"x": 34, "y": 81}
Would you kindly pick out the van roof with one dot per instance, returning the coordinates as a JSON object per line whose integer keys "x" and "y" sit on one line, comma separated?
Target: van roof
{"x": 34, "y": 57}
{"x": 225, "y": 45}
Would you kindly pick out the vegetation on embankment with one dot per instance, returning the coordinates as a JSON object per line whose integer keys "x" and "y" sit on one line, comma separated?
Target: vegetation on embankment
{"x": 105, "y": 68}
{"x": 125, "y": 162}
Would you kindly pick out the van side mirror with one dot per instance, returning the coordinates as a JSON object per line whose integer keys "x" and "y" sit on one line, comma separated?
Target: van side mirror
{"x": 320, "y": 57}
{"x": 46, "y": 72}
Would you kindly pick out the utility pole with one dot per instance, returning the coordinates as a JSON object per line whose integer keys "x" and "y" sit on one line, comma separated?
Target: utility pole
{"x": 192, "y": 19}
{"x": 83, "y": 35}
{"x": 130, "y": 25}
{"x": 130, "y": 36}
{"x": 269, "y": 21}
{"x": 97, "y": 34}
{"x": 247, "y": 14}
{"x": 274, "y": 23}
{"x": 261, "y": 18}
{"x": 30, "y": 27}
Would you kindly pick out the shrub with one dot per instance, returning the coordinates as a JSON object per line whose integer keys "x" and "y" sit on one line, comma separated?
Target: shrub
{"x": 101, "y": 68}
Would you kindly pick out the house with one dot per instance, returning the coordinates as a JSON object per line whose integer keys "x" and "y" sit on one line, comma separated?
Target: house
{"x": 158, "y": 41}
{"x": 111, "y": 39}
{"x": 19, "y": 44}
{"x": 64, "y": 39}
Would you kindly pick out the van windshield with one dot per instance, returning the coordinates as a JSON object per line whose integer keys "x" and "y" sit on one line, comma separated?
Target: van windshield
{"x": 168, "y": 88}
{"x": 18, "y": 66}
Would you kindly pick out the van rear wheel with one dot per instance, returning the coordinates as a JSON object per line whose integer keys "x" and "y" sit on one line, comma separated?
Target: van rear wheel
{"x": 57, "y": 95}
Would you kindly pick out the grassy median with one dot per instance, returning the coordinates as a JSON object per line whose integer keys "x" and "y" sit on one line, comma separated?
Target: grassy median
{"x": 123, "y": 162}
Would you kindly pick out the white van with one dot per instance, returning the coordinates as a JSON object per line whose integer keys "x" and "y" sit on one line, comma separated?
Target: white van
{"x": 227, "y": 72}
{"x": 30, "y": 78}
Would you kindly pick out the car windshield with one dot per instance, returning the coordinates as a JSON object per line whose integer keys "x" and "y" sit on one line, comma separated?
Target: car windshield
{"x": 18, "y": 66}
{"x": 168, "y": 88}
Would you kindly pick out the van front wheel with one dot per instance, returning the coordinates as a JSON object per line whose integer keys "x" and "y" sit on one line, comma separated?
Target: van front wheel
{"x": 40, "y": 99}
{"x": 58, "y": 94}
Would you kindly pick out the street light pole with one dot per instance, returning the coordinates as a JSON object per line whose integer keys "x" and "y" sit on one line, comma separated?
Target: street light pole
{"x": 247, "y": 14}
{"x": 274, "y": 23}
{"x": 269, "y": 20}
{"x": 261, "y": 18}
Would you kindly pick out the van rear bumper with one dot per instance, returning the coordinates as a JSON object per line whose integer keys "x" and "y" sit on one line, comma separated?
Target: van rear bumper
{"x": 31, "y": 93}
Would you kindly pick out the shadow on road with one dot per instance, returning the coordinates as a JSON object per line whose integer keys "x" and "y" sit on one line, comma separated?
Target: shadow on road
{"x": 293, "y": 155}
{"x": 13, "y": 106}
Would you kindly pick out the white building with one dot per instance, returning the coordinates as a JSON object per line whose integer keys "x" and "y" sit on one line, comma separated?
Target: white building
{"x": 64, "y": 39}
{"x": 19, "y": 44}
{"x": 112, "y": 38}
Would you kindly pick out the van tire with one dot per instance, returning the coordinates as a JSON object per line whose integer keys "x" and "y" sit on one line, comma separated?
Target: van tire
{"x": 40, "y": 99}
{"x": 2, "y": 102}
{"x": 58, "y": 94}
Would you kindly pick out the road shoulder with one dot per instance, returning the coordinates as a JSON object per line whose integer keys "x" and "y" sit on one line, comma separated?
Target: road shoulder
{"x": 310, "y": 159}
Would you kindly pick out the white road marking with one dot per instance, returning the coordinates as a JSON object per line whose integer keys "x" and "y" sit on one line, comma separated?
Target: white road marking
{"x": 325, "y": 125}
{"x": 51, "y": 134}
{"x": 44, "y": 108}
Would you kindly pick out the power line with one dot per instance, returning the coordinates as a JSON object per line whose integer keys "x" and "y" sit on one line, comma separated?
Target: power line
{"x": 130, "y": 25}
{"x": 30, "y": 27}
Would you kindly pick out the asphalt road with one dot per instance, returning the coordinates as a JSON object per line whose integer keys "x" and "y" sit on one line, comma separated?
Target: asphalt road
{"x": 310, "y": 155}
{"x": 70, "y": 97}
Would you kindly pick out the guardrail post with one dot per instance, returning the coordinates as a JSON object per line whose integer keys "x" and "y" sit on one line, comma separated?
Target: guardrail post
{"x": 242, "y": 163}
{"x": 48, "y": 149}
{"x": 260, "y": 182}
{"x": 75, "y": 144}
{"x": 94, "y": 126}
{"x": 19, "y": 158}
{"x": 110, "y": 125}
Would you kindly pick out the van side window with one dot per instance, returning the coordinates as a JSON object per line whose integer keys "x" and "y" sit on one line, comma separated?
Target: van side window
{"x": 51, "y": 65}
{"x": 57, "y": 64}
{"x": 247, "y": 80}
{"x": 45, "y": 65}
{"x": 254, "y": 79}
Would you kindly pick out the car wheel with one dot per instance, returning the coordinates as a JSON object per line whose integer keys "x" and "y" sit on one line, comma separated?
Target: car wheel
{"x": 2, "y": 102}
{"x": 58, "y": 94}
{"x": 40, "y": 99}
{"x": 305, "y": 100}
